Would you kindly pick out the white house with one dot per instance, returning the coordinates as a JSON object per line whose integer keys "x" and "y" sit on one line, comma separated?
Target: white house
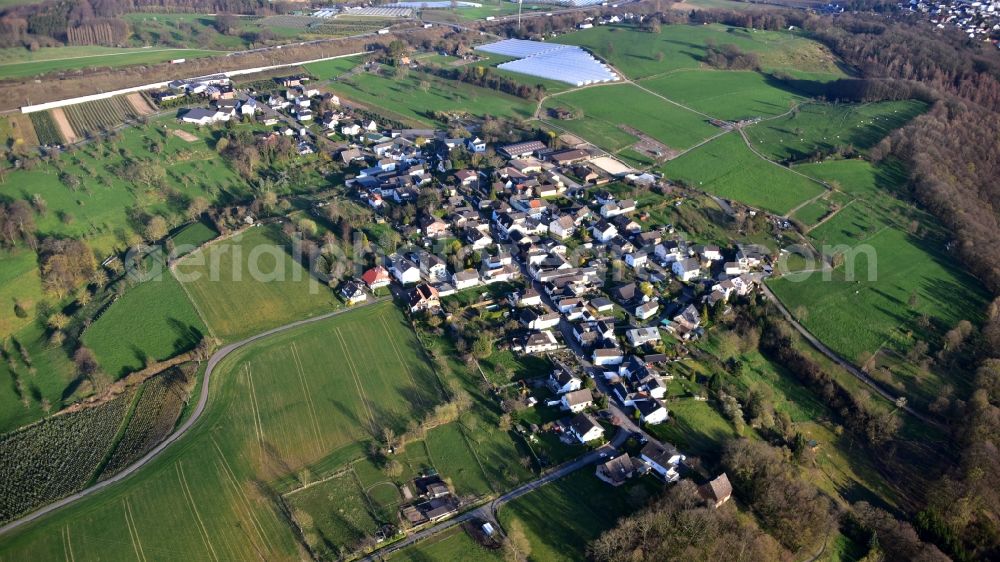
{"x": 476, "y": 144}
{"x": 585, "y": 429}
{"x": 651, "y": 411}
{"x": 562, "y": 380}
{"x": 404, "y": 270}
{"x": 686, "y": 269}
{"x": 663, "y": 459}
{"x": 608, "y": 356}
{"x": 647, "y": 309}
{"x": 350, "y": 129}
{"x": 540, "y": 342}
{"x": 642, "y": 336}
{"x": 711, "y": 253}
{"x": 353, "y": 293}
{"x": 603, "y": 231}
{"x": 577, "y": 400}
{"x": 465, "y": 279}
{"x": 562, "y": 227}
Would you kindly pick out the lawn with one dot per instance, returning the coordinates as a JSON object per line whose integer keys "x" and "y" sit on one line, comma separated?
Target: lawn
{"x": 606, "y": 108}
{"x": 450, "y": 454}
{"x": 20, "y": 63}
{"x": 695, "y": 427}
{"x": 637, "y": 53}
{"x": 19, "y": 284}
{"x": 820, "y": 128}
{"x": 727, "y": 168}
{"x": 329, "y": 69}
{"x": 559, "y": 519}
{"x": 275, "y": 407}
{"x": 453, "y": 545}
{"x": 153, "y": 321}
{"x": 250, "y": 283}
{"x": 900, "y": 265}
{"x": 95, "y": 206}
{"x": 729, "y": 95}
{"x": 404, "y": 98}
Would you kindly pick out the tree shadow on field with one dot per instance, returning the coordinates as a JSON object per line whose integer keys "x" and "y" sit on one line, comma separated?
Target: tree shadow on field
{"x": 188, "y": 336}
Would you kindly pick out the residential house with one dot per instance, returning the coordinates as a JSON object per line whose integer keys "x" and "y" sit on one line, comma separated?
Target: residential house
{"x": 353, "y": 292}
{"x": 651, "y": 411}
{"x": 717, "y": 491}
{"x": 618, "y": 470}
{"x": 475, "y": 144}
{"x": 664, "y": 459}
{"x": 585, "y": 428}
{"x": 433, "y": 227}
{"x": 535, "y": 320}
{"x": 647, "y": 309}
{"x": 641, "y": 336}
{"x": 577, "y": 401}
{"x": 424, "y": 297}
{"x": 686, "y": 269}
{"x": 607, "y": 356}
{"x": 562, "y": 380}
{"x": 404, "y": 270}
{"x": 540, "y": 342}
{"x": 465, "y": 279}
{"x": 376, "y": 277}
{"x": 603, "y": 231}
{"x": 562, "y": 227}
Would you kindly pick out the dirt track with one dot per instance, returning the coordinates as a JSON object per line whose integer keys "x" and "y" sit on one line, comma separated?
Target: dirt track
{"x": 62, "y": 122}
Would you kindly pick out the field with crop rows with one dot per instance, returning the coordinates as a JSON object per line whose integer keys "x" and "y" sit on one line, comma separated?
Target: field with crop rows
{"x": 99, "y": 115}
{"x": 45, "y": 128}
{"x": 156, "y": 412}
{"x": 55, "y": 457}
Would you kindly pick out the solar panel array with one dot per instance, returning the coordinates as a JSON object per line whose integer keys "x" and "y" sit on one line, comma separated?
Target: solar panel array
{"x": 564, "y": 63}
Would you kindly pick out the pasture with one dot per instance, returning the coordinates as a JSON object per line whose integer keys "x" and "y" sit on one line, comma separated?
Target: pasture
{"x": 606, "y": 109}
{"x": 38, "y": 376}
{"x": 821, "y": 128}
{"x": 640, "y": 54}
{"x": 725, "y": 94}
{"x": 94, "y": 205}
{"x": 249, "y": 283}
{"x": 21, "y": 63}
{"x": 154, "y": 320}
{"x": 416, "y": 96}
{"x": 559, "y": 519}
{"x": 727, "y": 168}
{"x": 330, "y": 69}
{"x": 20, "y": 289}
{"x": 453, "y": 545}
{"x": 276, "y": 407}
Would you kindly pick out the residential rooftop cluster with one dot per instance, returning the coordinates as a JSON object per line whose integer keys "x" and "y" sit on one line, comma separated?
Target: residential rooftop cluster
{"x": 978, "y": 20}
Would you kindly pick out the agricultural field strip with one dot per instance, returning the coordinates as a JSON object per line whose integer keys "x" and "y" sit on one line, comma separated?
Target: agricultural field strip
{"x": 67, "y": 544}
{"x": 243, "y": 500}
{"x": 128, "y": 52}
{"x": 307, "y": 395}
{"x": 399, "y": 356}
{"x": 194, "y": 508}
{"x": 133, "y": 531}
{"x": 357, "y": 382}
{"x": 254, "y": 408}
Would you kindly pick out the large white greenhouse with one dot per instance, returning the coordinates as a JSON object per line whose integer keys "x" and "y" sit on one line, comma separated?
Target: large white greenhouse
{"x": 553, "y": 61}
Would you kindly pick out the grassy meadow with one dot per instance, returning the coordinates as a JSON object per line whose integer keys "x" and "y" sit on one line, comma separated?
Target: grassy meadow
{"x": 21, "y": 63}
{"x": 152, "y": 321}
{"x": 330, "y": 69}
{"x": 237, "y": 301}
{"x": 606, "y": 109}
{"x": 729, "y": 95}
{"x": 275, "y": 407}
{"x": 453, "y": 545}
{"x": 727, "y": 168}
{"x": 820, "y": 128}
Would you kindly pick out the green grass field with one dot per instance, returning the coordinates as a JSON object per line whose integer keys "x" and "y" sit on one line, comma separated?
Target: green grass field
{"x": 559, "y": 519}
{"x": 330, "y": 69}
{"x": 818, "y": 127}
{"x": 606, "y": 108}
{"x": 275, "y": 407}
{"x": 49, "y": 378}
{"x": 95, "y": 209}
{"x": 404, "y": 98}
{"x": 813, "y": 212}
{"x": 726, "y": 167}
{"x": 453, "y": 545}
{"x": 193, "y": 235}
{"x": 19, "y": 283}
{"x": 636, "y": 53}
{"x": 729, "y": 95}
{"x": 152, "y": 321}
{"x": 21, "y": 63}
{"x": 236, "y": 300}
{"x": 450, "y": 454}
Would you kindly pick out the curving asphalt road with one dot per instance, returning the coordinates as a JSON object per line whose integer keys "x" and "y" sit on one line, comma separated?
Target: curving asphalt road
{"x": 213, "y": 361}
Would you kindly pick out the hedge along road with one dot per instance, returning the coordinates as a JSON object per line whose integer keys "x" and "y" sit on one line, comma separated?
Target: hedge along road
{"x": 213, "y": 361}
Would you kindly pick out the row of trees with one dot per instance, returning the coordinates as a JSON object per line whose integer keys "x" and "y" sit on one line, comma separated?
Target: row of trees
{"x": 486, "y": 77}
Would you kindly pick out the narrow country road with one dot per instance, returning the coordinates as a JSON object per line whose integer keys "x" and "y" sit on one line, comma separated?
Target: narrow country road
{"x": 833, "y": 356}
{"x": 213, "y": 361}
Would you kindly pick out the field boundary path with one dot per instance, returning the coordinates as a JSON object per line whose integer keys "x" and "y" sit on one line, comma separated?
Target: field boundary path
{"x": 213, "y": 362}
{"x": 847, "y": 365}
